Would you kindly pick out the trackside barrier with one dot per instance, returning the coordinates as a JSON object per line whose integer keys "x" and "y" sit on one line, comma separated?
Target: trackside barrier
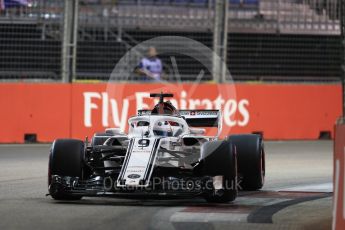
{"x": 42, "y": 109}
{"x": 339, "y": 176}
{"x": 278, "y": 111}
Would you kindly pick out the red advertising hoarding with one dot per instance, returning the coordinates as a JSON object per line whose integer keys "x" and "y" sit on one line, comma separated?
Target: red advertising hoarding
{"x": 279, "y": 111}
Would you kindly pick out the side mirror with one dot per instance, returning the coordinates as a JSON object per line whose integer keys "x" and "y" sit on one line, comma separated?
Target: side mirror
{"x": 114, "y": 131}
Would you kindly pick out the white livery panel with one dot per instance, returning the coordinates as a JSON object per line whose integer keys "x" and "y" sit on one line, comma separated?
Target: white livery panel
{"x": 139, "y": 162}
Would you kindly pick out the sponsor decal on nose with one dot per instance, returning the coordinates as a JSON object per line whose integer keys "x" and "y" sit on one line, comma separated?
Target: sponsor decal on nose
{"x": 133, "y": 176}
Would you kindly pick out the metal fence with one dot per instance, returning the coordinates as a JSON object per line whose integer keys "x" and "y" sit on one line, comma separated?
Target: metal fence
{"x": 30, "y": 41}
{"x": 268, "y": 39}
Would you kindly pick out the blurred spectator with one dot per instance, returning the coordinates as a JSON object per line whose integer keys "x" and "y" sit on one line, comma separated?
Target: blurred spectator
{"x": 14, "y": 6}
{"x": 2, "y": 5}
{"x": 150, "y": 67}
{"x": 13, "y": 3}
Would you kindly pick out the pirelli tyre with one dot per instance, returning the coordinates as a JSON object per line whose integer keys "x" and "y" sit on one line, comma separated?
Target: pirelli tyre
{"x": 65, "y": 159}
{"x": 250, "y": 160}
{"x": 218, "y": 160}
{"x": 100, "y": 138}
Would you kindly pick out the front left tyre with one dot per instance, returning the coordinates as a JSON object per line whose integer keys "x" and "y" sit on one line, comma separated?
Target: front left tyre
{"x": 65, "y": 159}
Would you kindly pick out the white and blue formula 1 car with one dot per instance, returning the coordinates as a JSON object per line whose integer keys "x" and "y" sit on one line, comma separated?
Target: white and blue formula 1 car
{"x": 165, "y": 153}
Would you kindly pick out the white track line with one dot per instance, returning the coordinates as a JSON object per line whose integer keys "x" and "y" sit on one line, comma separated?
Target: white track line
{"x": 208, "y": 217}
{"x": 324, "y": 187}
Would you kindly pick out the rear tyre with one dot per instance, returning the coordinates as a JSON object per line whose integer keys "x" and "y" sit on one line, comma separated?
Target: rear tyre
{"x": 219, "y": 159}
{"x": 251, "y": 160}
{"x": 66, "y": 159}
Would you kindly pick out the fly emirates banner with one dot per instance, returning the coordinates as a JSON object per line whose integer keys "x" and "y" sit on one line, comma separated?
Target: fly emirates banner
{"x": 278, "y": 111}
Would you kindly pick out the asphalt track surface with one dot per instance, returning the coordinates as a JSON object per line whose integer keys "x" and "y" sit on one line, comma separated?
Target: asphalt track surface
{"x": 291, "y": 169}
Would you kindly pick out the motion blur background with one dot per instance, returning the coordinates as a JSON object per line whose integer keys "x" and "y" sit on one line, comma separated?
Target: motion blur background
{"x": 268, "y": 40}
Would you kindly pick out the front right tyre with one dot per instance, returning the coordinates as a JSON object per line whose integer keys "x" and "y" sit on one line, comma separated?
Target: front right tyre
{"x": 219, "y": 161}
{"x": 251, "y": 160}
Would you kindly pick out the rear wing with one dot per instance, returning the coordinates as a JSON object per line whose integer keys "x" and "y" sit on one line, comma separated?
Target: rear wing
{"x": 201, "y": 118}
{"x": 197, "y": 118}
